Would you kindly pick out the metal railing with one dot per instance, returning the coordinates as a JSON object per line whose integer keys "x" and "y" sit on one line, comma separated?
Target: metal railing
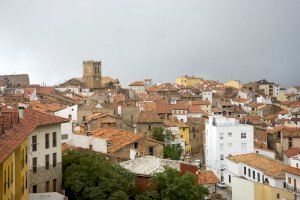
{"x": 292, "y": 188}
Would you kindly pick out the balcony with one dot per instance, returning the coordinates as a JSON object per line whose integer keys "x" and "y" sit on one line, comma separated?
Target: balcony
{"x": 292, "y": 188}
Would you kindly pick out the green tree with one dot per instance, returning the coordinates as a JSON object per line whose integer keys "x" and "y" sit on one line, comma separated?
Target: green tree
{"x": 171, "y": 185}
{"x": 173, "y": 151}
{"x": 89, "y": 175}
{"x": 158, "y": 134}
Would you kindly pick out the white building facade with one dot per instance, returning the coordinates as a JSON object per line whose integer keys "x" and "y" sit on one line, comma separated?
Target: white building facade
{"x": 67, "y": 128}
{"x": 225, "y": 137}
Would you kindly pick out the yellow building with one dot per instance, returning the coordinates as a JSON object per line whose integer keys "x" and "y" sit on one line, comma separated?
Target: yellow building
{"x": 184, "y": 132}
{"x": 180, "y": 130}
{"x": 257, "y": 191}
{"x": 14, "y": 174}
{"x": 235, "y": 84}
{"x": 188, "y": 80}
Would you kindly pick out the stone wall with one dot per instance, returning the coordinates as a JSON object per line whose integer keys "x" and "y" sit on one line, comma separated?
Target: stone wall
{"x": 43, "y": 175}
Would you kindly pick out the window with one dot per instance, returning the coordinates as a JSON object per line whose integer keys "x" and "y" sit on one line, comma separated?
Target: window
{"x": 221, "y": 136}
{"x": 253, "y": 175}
{"x": 83, "y": 118}
{"x": 54, "y": 185}
{"x": 54, "y": 160}
{"x": 245, "y": 171}
{"x": 243, "y": 135}
{"x": 229, "y": 178}
{"x": 47, "y": 161}
{"x": 277, "y": 196}
{"x": 34, "y": 143}
{"x": 221, "y": 157}
{"x": 221, "y": 147}
{"x": 149, "y": 127}
{"x": 34, "y": 165}
{"x": 244, "y": 146}
{"x": 290, "y": 142}
{"x": 135, "y": 145}
{"x": 229, "y": 134}
{"x": 297, "y": 165}
{"x": 151, "y": 149}
{"x": 258, "y": 177}
{"x": 26, "y": 158}
{"x": 48, "y": 186}
{"x": 23, "y": 160}
{"x": 278, "y": 135}
{"x": 34, "y": 189}
{"x": 54, "y": 142}
{"x": 183, "y": 129}
{"x": 47, "y": 140}
{"x": 289, "y": 180}
{"x": 26, "y": 181}
{"x": 249, "y": 172}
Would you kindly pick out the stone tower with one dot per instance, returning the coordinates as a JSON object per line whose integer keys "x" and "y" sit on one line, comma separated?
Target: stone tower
{"x": 92, "y": 74}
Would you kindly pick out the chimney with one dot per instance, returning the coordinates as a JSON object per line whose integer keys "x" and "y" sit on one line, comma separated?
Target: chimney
{"x": 21, "y": 112}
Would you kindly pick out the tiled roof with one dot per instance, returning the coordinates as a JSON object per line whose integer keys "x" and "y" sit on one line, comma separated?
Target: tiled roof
{"x": 293, "y": 170}
{"x": 13, "y": 137}
{"x": 137, "y": 83}
{"x": 175, "y": 123}
{"x": 99, "y": 115}
{"x": 28, "y": 92}
{"x": 240, "y": 100}
{"x": 195, "y": 109}
{"x": 45, "y": 90}
{"x": 166, "y": 87}
{"x": 46, "y": 106}
{"x": 118, "y": 138}
{"x": 179, "y": 106}
{"x": 292, "y": 152}
{"x": 270, "y": 167}
{"x": 163, "y": 107}
{"x": 148, "y": 117}
{"x": 275, "y": 129}
{"x": 207, "y": 177}
{"x": 200, "y": 102}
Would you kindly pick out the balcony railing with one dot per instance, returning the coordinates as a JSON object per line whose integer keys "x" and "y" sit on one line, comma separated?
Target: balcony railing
{"x": 292, "y": 188}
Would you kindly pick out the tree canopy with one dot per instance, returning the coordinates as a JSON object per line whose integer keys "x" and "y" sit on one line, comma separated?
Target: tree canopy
{"x": 170, "y": 185}
{"x": 173, "y": 151}
{"x": 88, "y": 175}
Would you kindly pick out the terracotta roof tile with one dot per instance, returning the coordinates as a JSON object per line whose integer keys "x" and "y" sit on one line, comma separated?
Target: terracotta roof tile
{"x": 149, "y": 117}
{"x": 270, "y": 167}
{"x": 293, "y": 170}
{"x": 207, "y": 177}
{"x": 292, "y": 152}
{"x": 118, "y": 138}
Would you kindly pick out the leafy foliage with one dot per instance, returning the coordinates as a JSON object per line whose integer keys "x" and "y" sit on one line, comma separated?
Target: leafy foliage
{"x": 171, "y": 185}
{"x": 173, "y": 151}
{"x": 88, "y": 175}
{"x": 158, "y": 134}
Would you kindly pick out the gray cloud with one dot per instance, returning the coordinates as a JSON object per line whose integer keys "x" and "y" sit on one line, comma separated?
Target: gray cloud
{"x": 136, "y": 39}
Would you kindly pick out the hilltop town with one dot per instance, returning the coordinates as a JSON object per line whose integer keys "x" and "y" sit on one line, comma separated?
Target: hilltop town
{"x": 233, "y": 138}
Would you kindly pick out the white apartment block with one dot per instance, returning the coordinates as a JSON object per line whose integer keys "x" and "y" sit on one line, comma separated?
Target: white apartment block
{"x": 45, "y": 159}
{"x": 225, "y": 137}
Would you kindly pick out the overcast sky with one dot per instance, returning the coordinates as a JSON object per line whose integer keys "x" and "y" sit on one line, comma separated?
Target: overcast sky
{"x": 159, "y": 39}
